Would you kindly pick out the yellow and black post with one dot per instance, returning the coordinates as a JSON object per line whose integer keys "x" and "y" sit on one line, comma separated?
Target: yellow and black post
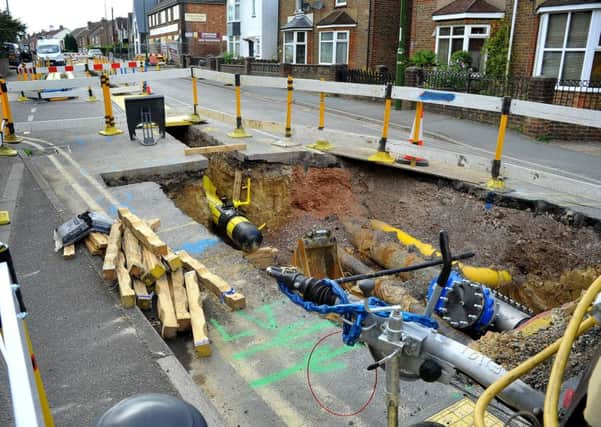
{"x": 382, "y": 155}
{"x": 9, "y": 129}
{"x": 239, "y": 132}
{"x": 194, "y": 117}
{"x": 109, "y": 120}
{"x": 91, "y": 97}
{"x": 322, "y": 144}
{"x": 290, "y": 88}
{"x": 496, "y": 183}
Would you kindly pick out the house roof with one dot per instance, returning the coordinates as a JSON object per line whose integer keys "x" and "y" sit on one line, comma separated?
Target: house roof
{"x": 549, "y": 3}
{"x": 299, "y": 22}
{"x": 338, "y": 17}
{"x": 79, "y": 31}
{"x": 467, "y": 6}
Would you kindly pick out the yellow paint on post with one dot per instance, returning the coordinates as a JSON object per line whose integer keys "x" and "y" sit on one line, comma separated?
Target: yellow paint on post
{"x": 9, "y": 128}
{"x": 501, "y": 136}
{"x": 288, "y": 132}
{"x": 419, "y": 113}
{"x": 109, "y": 119}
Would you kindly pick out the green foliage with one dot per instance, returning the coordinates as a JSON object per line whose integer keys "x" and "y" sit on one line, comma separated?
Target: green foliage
{"x": 497, "y": 47}
{"x": 70, "y": 43}
{"x": 10, "y": 29}
{"x": 461, "y": 60}
{"x": 423, "y": 58}
{"x": 228, "y": 57}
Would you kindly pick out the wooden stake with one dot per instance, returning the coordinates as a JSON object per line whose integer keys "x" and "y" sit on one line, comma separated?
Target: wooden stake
{"x": 262, "y": 257}
{"x": 99, "y": 239}
{"x": 92, "y": 248}
{"x": 214, "y": 149}
{"x": 109, "y": 267}
{"x": 143, "y": 232}
{"x": 180, "y": 301}
{"x": 143, "y": 298}
{"x": 128, "y": 297}
{"x": 199, "y": 324}
{"x": 172, "y": 260}
{"x": 69, "y": 251}
{"x": 169, "y": 325}
{"x": 214, "y": 283}
{"x": 133, "y": 253}
{"x": 154, "y": 223}
{"x": 153, "y": 266}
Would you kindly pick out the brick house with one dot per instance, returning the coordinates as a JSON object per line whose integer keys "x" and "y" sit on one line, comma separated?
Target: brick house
{"x": 187, "y": 27}
{"x": 553, "y": 38}
{"x": 360, "y": 33}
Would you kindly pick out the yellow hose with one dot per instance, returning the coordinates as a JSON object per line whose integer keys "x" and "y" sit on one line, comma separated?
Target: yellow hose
{"x": 486, "y": 276}
{"x": 559, "y": 365}
{"x": 520, "y": 370}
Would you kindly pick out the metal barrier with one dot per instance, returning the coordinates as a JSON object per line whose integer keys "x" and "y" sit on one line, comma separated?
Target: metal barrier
{"x": 30, "y": 405}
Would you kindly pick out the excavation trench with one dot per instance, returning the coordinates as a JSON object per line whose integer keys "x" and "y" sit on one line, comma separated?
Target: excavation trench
{"x": 550, "y": 259}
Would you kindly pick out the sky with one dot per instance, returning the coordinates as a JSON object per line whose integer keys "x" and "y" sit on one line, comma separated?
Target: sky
{"x": 40, "y": 14}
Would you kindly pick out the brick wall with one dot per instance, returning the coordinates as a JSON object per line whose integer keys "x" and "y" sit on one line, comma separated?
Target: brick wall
{"x": 384, "y": 34}
{"x": 216, "y": 23}
{"x": 524, "y": 38}
{"x": 422, "y": 26}
{"x": 369, "y": 46}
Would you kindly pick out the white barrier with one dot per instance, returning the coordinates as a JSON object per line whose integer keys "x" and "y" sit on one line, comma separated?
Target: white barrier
{"x": 454, "y": 99}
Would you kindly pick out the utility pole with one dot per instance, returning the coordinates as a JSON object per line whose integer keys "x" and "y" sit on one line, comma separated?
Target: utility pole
{"x": 400, "y": 53}
{"x": 113, "y": 31}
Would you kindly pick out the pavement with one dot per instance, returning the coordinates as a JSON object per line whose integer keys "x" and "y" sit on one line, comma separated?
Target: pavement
{"x": 93, "y": 353}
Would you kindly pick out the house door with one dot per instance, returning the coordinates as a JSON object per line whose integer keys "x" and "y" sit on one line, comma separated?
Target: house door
{"x": 251, "y": 48}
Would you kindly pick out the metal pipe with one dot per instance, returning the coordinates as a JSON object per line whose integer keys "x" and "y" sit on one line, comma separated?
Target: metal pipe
{"x": 393, "y": 369}
{"x": 288, "y": 133}
{"x": 513, "y": 17}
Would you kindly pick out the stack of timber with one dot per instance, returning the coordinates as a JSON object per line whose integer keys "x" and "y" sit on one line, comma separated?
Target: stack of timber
{"x": 143, "y": 267}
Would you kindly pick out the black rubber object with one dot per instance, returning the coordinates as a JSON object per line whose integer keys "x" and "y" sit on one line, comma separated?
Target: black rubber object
{"x": 152, "y": 409}
{"x": 430, "y": 371}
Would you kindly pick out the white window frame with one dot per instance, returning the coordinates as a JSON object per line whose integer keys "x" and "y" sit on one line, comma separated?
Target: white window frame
{"x": 466, "y": 36}
{"x": 593, "y": 44}
{"x": 162, "y": 17}
{"x": 175, "y": 12}
{"x": 232, "y": 6}
{"x": 294, "y": 45}
{"x": 232, "y": 43}
{"x": 339, "y": 3}
{"x": 334, "y": 42}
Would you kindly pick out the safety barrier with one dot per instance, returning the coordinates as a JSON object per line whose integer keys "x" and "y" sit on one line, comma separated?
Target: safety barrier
{"x": 30, "y": 405}
{"x": 503, "y": 106}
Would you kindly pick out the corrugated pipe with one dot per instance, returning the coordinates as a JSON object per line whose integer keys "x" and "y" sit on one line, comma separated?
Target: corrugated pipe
{"x": 486, "y": 276}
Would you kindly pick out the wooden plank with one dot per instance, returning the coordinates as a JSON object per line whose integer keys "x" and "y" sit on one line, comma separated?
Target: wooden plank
{"x": 262, "y": 257}
{"x": 180, "y": 300}
{"x": 133, "y": 253}
{"x": 143, "y": 232}
{"x": 128, "y": 296}
{"x": 109, "y": 266}
{"x": 99, "y": 239}
{"x": 214, "y": 149}
{"x": 237, "y": 185}
{"x": 154, "y": 268}
{"x": 233, "y": 299}
{"x": 200, "y": 333}
{"x": 172, "y": 260}
{"x": 169, "y": 325}
{"x": 69, "y": 251}
{"x": 143, "y": 298}
{"x": 92, "y": 248}
{"x": 154, "y": 223}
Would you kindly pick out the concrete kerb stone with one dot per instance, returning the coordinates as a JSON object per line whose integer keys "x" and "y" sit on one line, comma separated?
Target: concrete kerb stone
{"x": 9, "y": 197}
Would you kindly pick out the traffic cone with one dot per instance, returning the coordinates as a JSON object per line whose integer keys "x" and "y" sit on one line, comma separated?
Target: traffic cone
{"x": 418, "y": 123}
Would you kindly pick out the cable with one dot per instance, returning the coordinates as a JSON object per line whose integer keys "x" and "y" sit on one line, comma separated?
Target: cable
{"x": 520, "y": 370}
{"x": 559, "y": 365}
{"x": 322, "y": 406}
{"x": 526, "y": 415}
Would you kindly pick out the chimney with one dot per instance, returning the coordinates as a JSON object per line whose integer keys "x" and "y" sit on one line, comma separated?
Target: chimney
{"x": 60, "y": 27}
{"x": 299, "y": 6}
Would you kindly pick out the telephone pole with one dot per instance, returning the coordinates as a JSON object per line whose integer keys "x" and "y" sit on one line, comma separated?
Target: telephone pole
{"x": 401, "y": 55}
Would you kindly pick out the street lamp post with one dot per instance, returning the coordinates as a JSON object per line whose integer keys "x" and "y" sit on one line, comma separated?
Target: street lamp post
{"x": 401, "y": 54}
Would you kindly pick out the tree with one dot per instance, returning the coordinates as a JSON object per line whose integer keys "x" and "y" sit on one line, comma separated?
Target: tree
{"x": 497, "y": 47}
{"x": 70, "y": 43}
{"x": 10, "y": 29}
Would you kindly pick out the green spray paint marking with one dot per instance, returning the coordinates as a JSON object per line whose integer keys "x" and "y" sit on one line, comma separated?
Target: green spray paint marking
{"x": 268, "y": 311}
{"x": 225, "y": 336}
{"x": 283, "y": 337}
{"x": 319, "y": 364}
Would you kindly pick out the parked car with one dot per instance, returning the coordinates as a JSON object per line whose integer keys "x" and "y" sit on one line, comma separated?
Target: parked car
{"x": 12, "y": 51}
{"x": 94, "y": 52}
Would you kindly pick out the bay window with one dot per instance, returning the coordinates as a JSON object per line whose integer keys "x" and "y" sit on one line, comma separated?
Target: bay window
{"x": 333, "y": 47}
{"x": 569, "y": 45}
{"x": 295, "y": 47}
{"x": 454, "y": 38}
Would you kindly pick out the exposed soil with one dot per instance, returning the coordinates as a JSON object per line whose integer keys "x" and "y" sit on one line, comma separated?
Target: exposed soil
{"x": 550, "y": 262}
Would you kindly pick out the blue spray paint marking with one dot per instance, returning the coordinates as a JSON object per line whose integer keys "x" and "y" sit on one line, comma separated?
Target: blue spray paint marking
{"x": 199, "y": 246}
{"x": 490, "y": 197}
{"x": 437, "y": 96}
{"x": 80, "y": 141}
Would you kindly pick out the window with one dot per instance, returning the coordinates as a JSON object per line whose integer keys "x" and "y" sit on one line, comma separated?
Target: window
{"x": 570, "y": 45}
{"x": 175, "y": 13}
{"x": 162, "y": 17}
{"x": 257, "y": 48}
{"x": 254, "y": 10}
{"x": 233, "y": 45}
{"x": 233, "y": 10}
{"x": 333, "y": 47}
{"x": 470, "y": 38}
{"x": 295, "y": 47}
{"x": 340, "y": 3}
{"x": 169, "y": 15}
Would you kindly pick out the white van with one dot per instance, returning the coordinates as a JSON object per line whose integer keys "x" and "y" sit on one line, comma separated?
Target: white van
{"x": 50, "y": 50}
